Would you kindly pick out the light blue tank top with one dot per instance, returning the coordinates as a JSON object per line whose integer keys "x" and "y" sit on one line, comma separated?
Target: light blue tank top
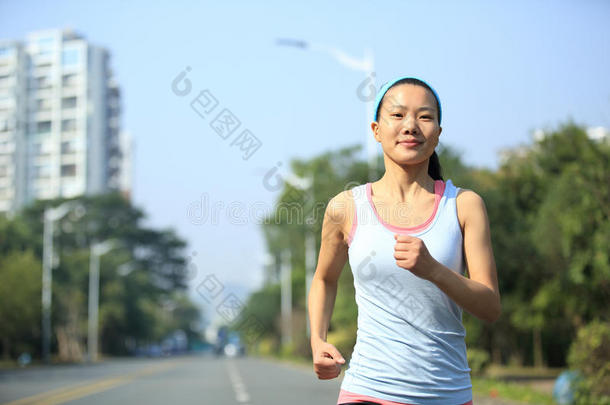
{"x": 410, "y": 342}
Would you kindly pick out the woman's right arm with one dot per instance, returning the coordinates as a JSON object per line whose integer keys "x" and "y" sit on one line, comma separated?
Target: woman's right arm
{"x": 321, "y": 299}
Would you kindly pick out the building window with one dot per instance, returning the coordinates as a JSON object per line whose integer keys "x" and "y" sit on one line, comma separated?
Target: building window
{"x": 40, "y": 149}
{"x": 69, "y": 102}
{"x": 5, "y": 51}
{"x": 4, "y": 80}
{"x": 70, "y": 57}
{"x": 68, "y": 125}
{"x": 68, "y": 170}
{"x": 70, "y": 79}
{"x": 42, "y": 82}
{"x": 6, "y": 146}
{"x": 67, "y": 147}
{"x": 43, "y": 104}
{"x": 43, "y": 127}
{"x": 42, "y": 172}
{"x": 46, "y": 45}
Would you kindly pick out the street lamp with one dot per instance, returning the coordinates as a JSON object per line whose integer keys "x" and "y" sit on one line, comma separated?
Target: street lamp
{"x": 366, "y": 65}
{"x": 306, "y": 184}
{"x": 126, "y": 268}
{"x": 51, "y": 215}
{"x": 286, "y": 297}
{"x": 97, "y": 250}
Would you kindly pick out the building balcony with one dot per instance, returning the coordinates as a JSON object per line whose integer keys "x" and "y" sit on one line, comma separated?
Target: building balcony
{"x": 73, "y": 91}
{"x": 8, "y": 147}
{"x": 8, "y": 103}
{"x": 41, "y": 71}
{"x": 42, "y": 93}
{"x": 42, "y": 115}
{"x": 8, "y": 82}
{"x": 43, "y": 59}
{"x": 72, "y": 188}
{"x": 70, "y": 113}
{"x": 5, "y": 182}
{"x": 7, "y": 69}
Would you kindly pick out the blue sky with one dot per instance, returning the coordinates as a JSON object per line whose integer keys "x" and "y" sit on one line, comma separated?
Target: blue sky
{"x": 501, "y": 71}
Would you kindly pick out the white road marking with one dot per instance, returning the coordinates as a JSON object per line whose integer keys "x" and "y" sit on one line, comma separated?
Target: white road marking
{"x": 241, "y": 394}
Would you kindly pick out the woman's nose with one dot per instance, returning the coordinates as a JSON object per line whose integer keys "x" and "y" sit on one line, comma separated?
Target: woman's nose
{"x": 408, "y": 124}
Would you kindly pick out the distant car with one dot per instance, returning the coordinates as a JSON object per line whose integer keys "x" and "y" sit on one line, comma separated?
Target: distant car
{"x": 221, "y": 341}
{"x": 218, "y": 350}
{"x": 154, "y": 351}
{"x": 151, "y": 350}
{"x": 24, "y": 359}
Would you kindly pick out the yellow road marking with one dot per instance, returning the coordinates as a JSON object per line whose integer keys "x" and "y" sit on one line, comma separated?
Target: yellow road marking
{"x": 65, "y": 394}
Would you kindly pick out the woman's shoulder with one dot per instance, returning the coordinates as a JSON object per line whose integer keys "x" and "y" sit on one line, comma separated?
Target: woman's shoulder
{"x": 341, "y": 210}
{"x": 468, "y": 203}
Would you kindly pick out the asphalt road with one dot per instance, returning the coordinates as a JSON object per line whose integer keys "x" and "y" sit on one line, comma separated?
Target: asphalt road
{"x": 173, "y": 381}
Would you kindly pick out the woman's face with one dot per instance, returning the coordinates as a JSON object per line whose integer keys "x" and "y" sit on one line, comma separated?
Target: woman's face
{"x": 407, "y": 125}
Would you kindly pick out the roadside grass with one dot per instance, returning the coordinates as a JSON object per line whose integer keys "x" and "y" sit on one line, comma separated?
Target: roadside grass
{"x": 514, "y": 391}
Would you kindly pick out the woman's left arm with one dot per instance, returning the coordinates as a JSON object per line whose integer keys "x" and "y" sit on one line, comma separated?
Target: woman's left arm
{"x": 478, "y": 294}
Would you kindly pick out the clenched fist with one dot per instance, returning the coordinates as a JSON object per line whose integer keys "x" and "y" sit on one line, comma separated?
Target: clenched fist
{"x": 412, "y": 254}
{"x": 327, "y": 361}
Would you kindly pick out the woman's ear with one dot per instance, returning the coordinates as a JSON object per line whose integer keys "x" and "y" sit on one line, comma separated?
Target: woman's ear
{"x": 375, "y": 129}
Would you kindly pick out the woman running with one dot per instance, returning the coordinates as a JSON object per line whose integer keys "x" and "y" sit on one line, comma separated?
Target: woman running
{"x": 408, "y": 237}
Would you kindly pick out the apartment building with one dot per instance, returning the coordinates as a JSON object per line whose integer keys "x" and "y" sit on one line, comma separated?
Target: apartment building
{"x": 60, "y": 112}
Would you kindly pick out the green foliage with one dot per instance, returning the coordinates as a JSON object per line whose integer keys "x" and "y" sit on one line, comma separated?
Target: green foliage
{"x": 141, "y": 306}
{"x": 573, "y": 226}
{"x": 14, "y": 235}
{"x": 265, "y": 306}
{"x": 345, "y": 311}
{"x": 590, "y": 354}
{"x": 20, "y": 281}
{"x": 478, "y": 360}
{"x": 548, "y": 232}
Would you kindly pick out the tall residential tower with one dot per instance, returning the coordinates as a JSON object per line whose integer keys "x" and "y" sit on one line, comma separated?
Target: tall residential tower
{"x": 60, "y": 132}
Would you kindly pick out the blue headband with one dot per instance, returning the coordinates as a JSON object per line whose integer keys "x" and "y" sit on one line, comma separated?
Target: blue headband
{"x": 385, "y": 88}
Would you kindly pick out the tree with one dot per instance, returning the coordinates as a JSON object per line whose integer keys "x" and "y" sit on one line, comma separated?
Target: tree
{"x": 133, "y": 306}
{"x": 553, "y": 261}
{"x": 20, "y": 306}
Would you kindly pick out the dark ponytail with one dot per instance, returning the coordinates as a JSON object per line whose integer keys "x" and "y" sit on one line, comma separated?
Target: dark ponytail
{"x": 434, "y": 167}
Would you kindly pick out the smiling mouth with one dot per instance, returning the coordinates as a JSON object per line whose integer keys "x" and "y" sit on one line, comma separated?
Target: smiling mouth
{"x": 409, "y": 144}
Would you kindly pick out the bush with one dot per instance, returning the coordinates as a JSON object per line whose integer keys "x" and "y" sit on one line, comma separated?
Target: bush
{"x": 590, "y": 354}
{"x": 478, "y": 360}
{"x": 344, "y": 340}
{"x": 287, "y": 350}
{"x": 266, "y": 346}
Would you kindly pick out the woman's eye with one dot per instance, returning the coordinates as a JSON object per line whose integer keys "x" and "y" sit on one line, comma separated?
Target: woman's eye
{"x": 396, "y": 115}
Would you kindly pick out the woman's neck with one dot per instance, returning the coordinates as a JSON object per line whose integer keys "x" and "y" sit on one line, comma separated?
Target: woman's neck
{"x": 403, "y": 184}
